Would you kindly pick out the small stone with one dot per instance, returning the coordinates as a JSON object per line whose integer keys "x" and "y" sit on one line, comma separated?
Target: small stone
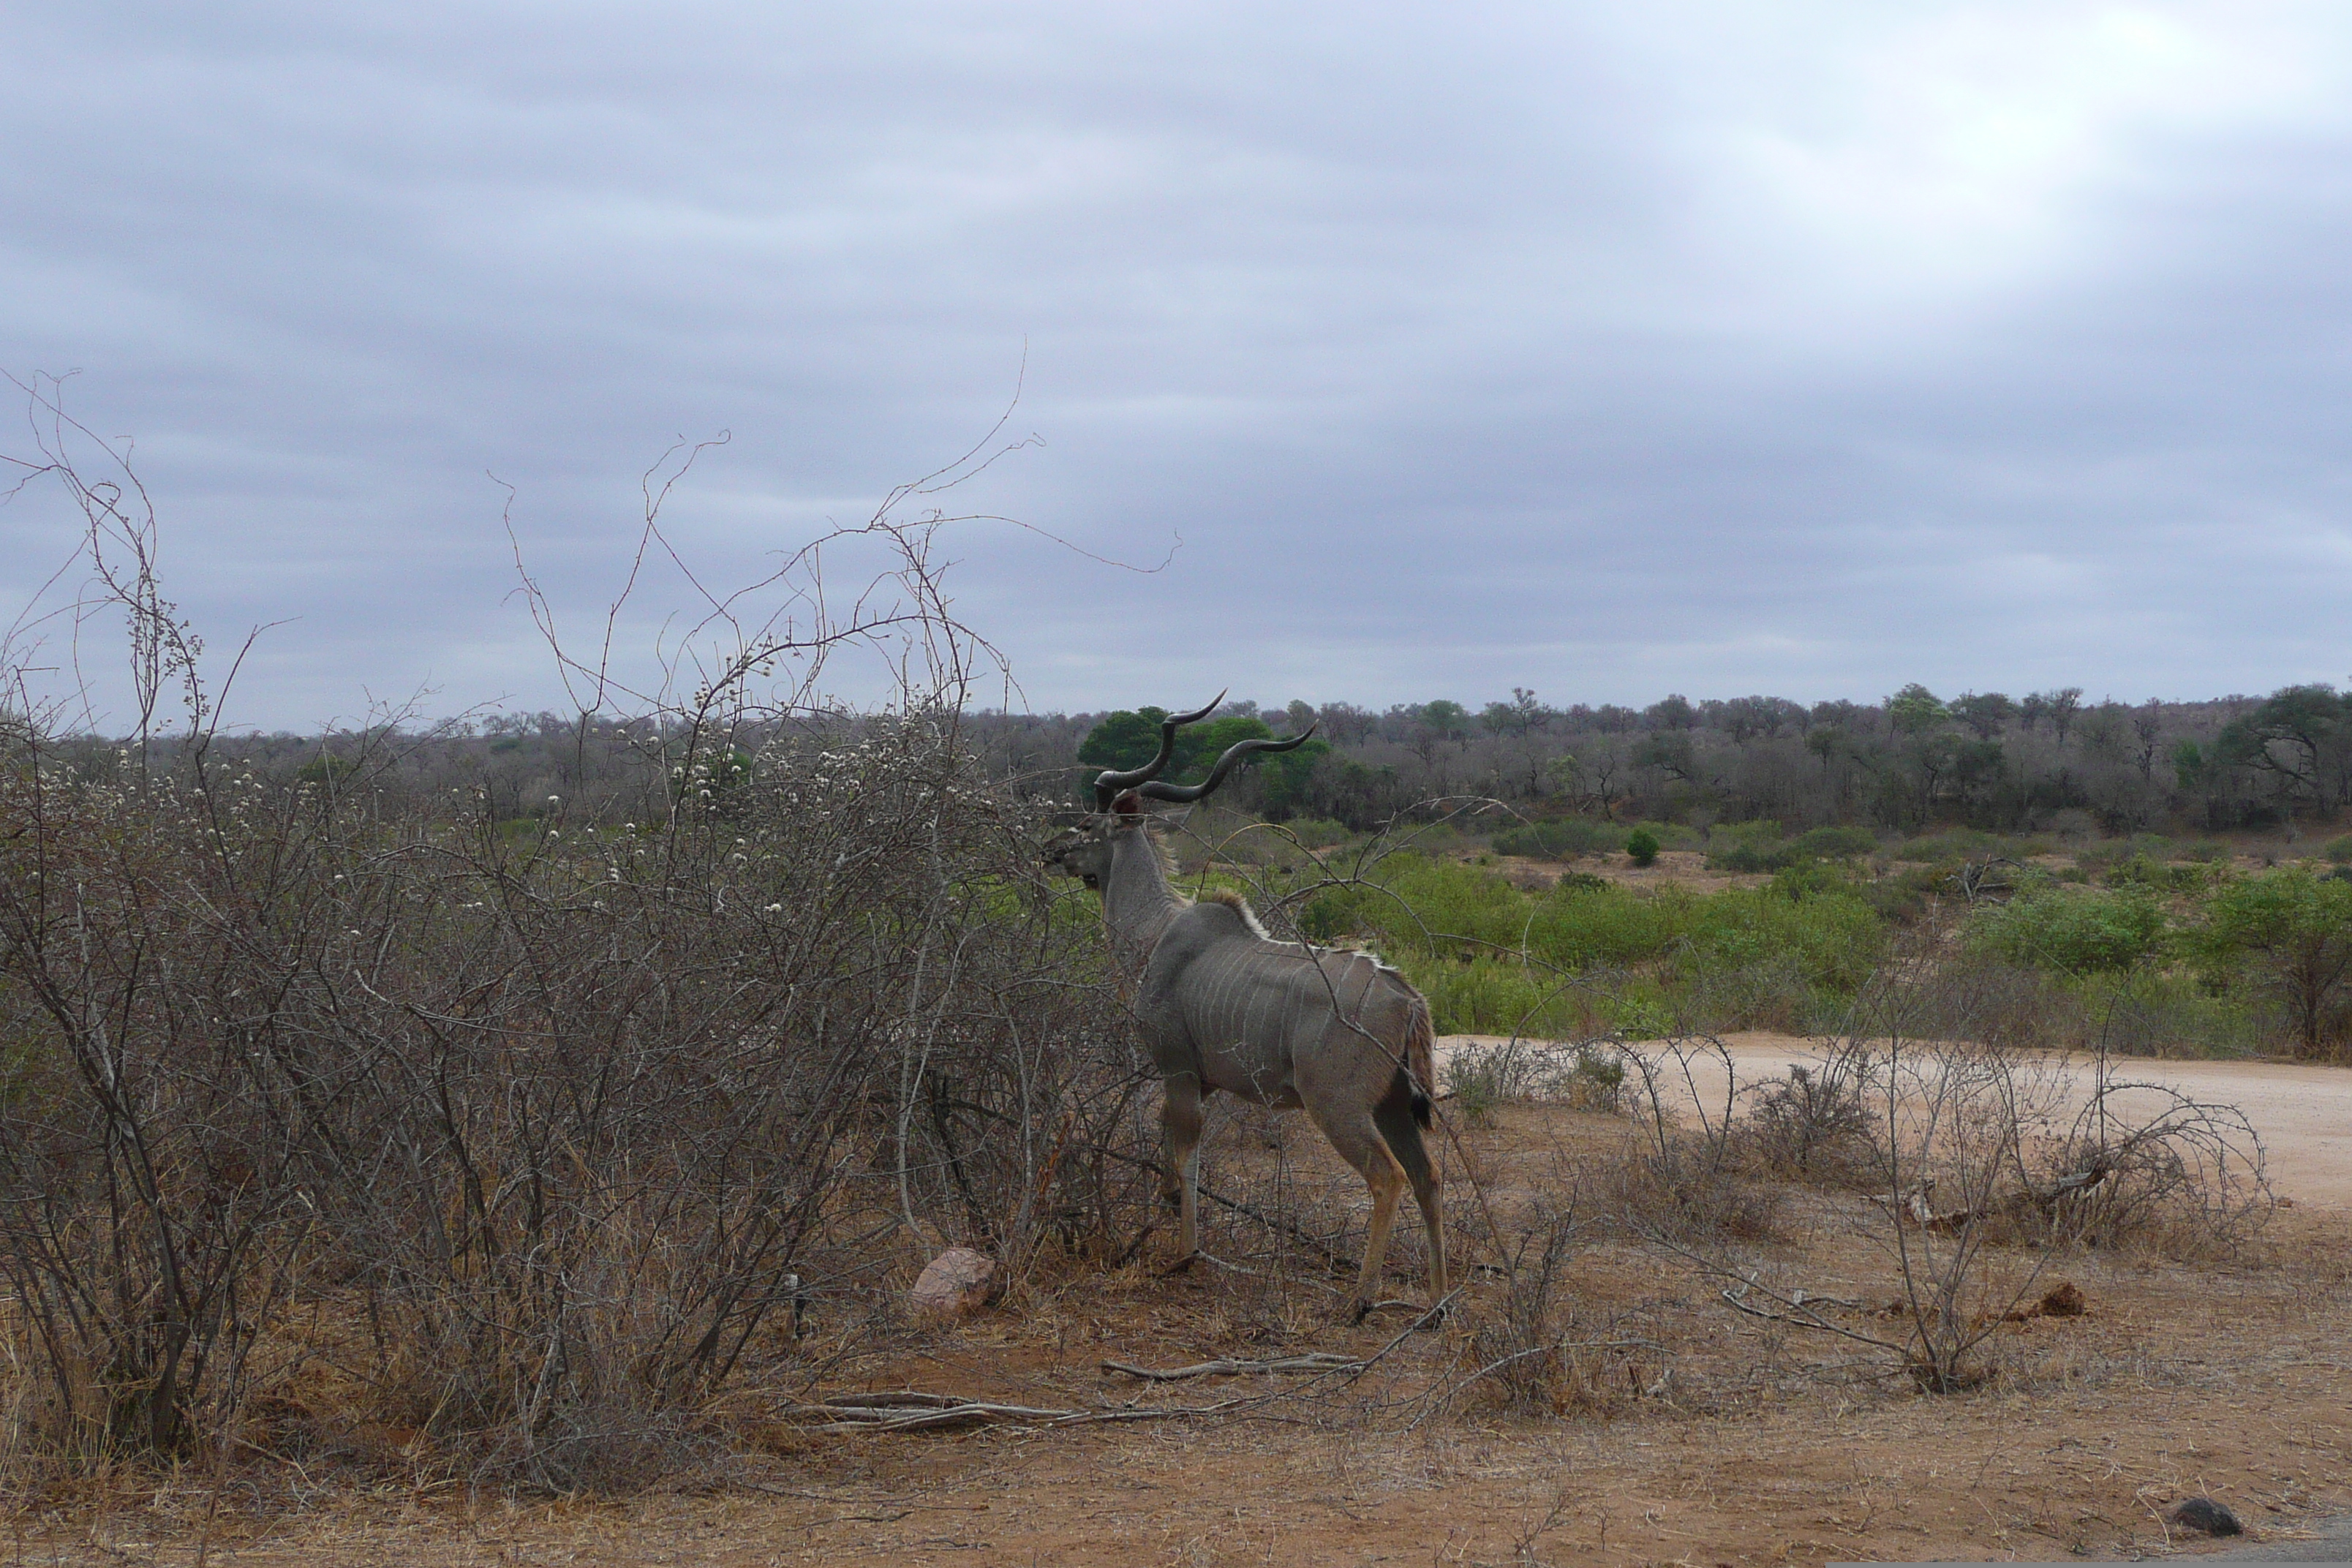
{"x": 2203, "y": 1514}
{"x": 955, "y": 1284}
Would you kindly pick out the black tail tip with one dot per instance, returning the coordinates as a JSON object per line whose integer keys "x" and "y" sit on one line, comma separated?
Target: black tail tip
{"x": 1421, "y": 1109}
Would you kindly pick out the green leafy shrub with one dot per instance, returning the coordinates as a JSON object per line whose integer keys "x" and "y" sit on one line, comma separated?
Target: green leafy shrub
{"x": 1815, "y": 844}
{"x": 2074, "y": 931}
{"x": 1639, "y": 1018}
{"x": 2339, "y": 850}
{"x": 1606, "y": 927}
{"x": 1494, "y": 996}
{"x": 1562, "y": 840}
{"x": 1587, "y": 1076}
{"x": 1495, "y": 960}
{"x": 2140, "y": 871}
{"x": 1332, "y": 913}
{"x": 1835, "y": 843}
{"x": 1833, "y": 939}
{"x": 1595, "y": 1080}
{"x": 1954, "y": 844}
{"x": 328, "y": 768}
{"x": 1446, "y": 908}
{"x": 2153, "y": 847}
{"x": 2290, "y": 931}
{"x": 1806, "y": 878}
{"x": 1744, "y": 846}
{"x": 1642, "y": 845}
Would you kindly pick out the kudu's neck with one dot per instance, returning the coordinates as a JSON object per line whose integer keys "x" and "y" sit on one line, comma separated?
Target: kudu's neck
{"x": 1138, "y": 902}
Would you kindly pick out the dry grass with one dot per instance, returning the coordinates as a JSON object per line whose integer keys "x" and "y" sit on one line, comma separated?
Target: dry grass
{"x": 1694, "y": 1429}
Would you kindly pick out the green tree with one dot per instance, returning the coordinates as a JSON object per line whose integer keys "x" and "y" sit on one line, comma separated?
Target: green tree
{"x": 2189, "y": 767}
{"x": 1932, "y": 756}
{"x": 2064, "y": 705}
{"x": 1445, "y": 720}
{"x": 1123, "y": 739}
{"x": 1285, "y": 779}
{"x": 2291, "y": 931}
{"x": 1517, "y": 717}
{"x": 1673, "y": 712}
{"x": 1670, "y": 752}
{"x": 1126, "y": 739}
{"x": 1978, "y": 767}
{"x": 1915, "y": 710}
{"x": 1642, "y": 845}
{"x": 2302, "y": 736}
{"x": 1986, "y": 712}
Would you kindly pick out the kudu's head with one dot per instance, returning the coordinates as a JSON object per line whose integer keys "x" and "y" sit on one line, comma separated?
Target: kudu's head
{"x": 1085, "y": 851}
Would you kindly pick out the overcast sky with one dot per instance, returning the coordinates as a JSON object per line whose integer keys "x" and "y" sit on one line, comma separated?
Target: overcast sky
{"x": 1606, "y": 350}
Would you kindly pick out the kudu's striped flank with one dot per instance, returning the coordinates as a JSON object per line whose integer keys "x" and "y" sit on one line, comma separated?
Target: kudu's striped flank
{"x": 1223, "y": 1006}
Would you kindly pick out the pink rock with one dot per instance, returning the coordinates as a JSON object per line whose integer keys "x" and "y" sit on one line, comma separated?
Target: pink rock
{"x": 953, "y": 1284}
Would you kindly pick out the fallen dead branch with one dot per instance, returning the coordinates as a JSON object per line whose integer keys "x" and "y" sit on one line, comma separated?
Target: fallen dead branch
{"x": 911, "y": 1410}
{"x": 1314, "y": 1361}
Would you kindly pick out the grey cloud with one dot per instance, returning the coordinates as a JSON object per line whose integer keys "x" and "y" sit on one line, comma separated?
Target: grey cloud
{"x": 1460, "y": 357}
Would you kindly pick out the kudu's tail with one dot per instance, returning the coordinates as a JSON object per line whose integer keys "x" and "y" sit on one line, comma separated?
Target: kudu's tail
{"x": 1421, "y": 1058}
{"x": 1404, "y": 1112}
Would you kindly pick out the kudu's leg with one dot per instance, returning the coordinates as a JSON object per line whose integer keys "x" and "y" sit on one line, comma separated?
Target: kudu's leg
{"x": 1359, "y": 1142}
{"x": 1180, "y": 1124}
{"x": 1395, "y": 1120}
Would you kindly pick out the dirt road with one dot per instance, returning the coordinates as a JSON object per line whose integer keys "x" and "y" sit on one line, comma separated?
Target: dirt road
{"x": 2303, "y": 1113}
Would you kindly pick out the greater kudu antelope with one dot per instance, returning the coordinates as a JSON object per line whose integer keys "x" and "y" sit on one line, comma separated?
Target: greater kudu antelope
{"x": 1223, "y": 1006}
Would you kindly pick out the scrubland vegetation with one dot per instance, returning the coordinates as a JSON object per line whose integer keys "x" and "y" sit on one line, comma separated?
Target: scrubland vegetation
{"x": 2201, "y": 909}
{"x": 555, "y": 1104}
{"x": 2150, "y": 952}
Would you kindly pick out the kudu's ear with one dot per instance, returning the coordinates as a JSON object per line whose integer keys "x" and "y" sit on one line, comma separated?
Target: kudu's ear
{"x": 1128, "y": 804}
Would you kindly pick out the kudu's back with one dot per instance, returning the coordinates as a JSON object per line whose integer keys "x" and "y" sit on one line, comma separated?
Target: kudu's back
{"x": 1279, "y": 1023}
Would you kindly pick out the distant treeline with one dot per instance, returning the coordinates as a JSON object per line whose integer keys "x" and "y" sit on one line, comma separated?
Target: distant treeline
{"x": 1914, "y": 759}
{"x": 2047, "y": 759}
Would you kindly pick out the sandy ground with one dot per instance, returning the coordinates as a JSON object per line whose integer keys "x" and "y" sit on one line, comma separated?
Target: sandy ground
{"x": 1729, "y": 1441}
{"x": 2303, "y": 1114}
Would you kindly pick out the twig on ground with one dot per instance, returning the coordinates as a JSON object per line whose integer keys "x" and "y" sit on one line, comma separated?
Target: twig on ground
{"x": 911, "y": 1410}
{"x": 1444, "y": 1398}
{"x": 1330, "y": 1254}
{"x": 1314, "y": 1361}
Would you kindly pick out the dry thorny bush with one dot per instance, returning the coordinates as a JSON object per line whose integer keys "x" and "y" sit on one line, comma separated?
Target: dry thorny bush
{"x": 527, "y": 1138}
{"x": 1967, "y": 1166}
